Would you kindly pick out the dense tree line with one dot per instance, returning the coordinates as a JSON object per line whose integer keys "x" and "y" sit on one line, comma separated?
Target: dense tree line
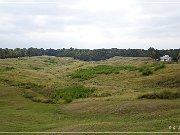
{"x": 87, "y": 54}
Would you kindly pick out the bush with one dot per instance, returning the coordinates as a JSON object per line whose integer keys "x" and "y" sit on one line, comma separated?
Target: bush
{"x": 68, "y": 99}
{"x": 42, "y": 100}
{"x": 148, "y": 69}
{"x": 159, "y": 66}
{"x": 35, "y": 97}
{"x": 169, "y": 82}
{"x": 102, "y": 95}
{"x": 35, "y": 68}
{"x": 51, "y": 60}
{"x": 161, "y": 95}
{"x": 88, "y": 73}
{"x": 147, "y": 72}
{"x": 29, "y": 94}
{"x": 4, "y": 69}
{"x": 85, "y": 74}
{"x": 117, "y": 72}
{"x": 29, "y": 85}
{"x": 74, "y": 92}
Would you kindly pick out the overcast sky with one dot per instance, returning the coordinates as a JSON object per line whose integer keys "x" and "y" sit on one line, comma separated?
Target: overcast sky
{"x": 90, "y": 24}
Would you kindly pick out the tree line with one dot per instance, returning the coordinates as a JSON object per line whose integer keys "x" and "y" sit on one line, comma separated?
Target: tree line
{"x": 89, "y": 55}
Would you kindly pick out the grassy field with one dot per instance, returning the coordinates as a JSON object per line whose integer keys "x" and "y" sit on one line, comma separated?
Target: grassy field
{"x": 62, "y": 94}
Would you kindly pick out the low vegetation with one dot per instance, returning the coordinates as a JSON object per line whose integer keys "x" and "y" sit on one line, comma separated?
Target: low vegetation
{"x": 161, "y": 95}
{"x": 75, "y": 92}
{"x": 149, "y": 69}
{"x": 88, "y": 73}
{"x": 85, "y": 74}
{"x": 35, "y": 97}
{"x": 169, "y": 82}
{"x": 51, "y": 60}
{"x": 4, "y": 69}
{"x": 26, "y": 85}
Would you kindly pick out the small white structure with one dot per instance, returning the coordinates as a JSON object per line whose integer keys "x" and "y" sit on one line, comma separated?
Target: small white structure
{"x": 165, "y": 58}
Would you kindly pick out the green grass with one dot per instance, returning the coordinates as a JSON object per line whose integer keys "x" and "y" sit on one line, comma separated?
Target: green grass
{"x": 106, "y": 101}
{"x": 21, "y": 114}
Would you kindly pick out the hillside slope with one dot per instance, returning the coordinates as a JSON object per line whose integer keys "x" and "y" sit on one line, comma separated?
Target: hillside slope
{"x": 36, "y": 95}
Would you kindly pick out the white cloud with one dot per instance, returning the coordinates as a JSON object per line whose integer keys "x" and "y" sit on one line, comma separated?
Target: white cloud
{"x": 89, "y": 23}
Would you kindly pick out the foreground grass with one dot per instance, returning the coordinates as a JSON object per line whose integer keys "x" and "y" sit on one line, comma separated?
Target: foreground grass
{"x": 20, "y": 114}
{"x": 112, "y": 105}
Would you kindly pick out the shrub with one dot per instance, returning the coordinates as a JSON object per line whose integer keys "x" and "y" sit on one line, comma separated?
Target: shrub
{"x": 4, "y": 69}
{"x": 48, "y": 92}
{"x": 42, "y": 100}
{"x": 29, "y": 85}
{"x": 85, "y": 74}
{"x": 116, "y": 72}
{"x": 7, "y": 81}
{"x": 159, "y": 66}
{"x": 147, "y": 72}
{"x": 51, "y": 60}
{"x": 88, "y": 73}
{"x": 35, "y": 68}
{"x": 169, "y": 82}
{"x": 161, "y": 95}
{"x": 74, "y": 92}
{"x": 33, "y": 96}
{"x": 102, "y": 95}
{"x": 148, "y": 69}
{"x": 68, "y": 99}
{"x": 29, "y": 94}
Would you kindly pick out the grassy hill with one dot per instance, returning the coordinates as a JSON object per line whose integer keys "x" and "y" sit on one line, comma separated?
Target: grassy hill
{"x": 63, "y": 94}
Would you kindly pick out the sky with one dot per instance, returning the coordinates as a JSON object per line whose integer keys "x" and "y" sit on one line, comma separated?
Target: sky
{"x": 90, "y": 24}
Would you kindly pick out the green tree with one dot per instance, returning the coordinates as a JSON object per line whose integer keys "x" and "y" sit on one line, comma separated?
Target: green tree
{"x": 2, "y": 54}
{"x": 153, "y": 53}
